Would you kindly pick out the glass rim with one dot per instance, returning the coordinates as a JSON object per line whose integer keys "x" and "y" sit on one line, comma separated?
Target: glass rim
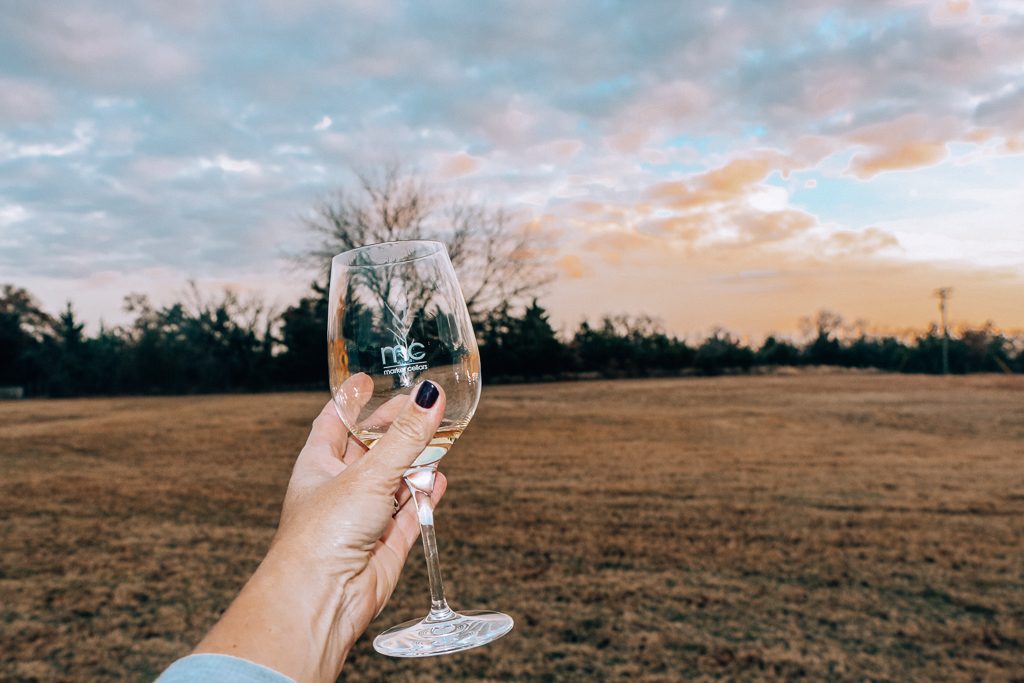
{"x": 436, "y": 247}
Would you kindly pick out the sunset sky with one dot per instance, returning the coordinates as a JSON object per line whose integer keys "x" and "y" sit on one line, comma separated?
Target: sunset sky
{"x": 737, "y": 164}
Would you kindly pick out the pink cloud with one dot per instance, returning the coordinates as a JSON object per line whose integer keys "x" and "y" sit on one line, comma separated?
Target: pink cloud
{"x": 723, "y": 184}
{"x": 658, "y": 111}
{"x": 458, "y": 165}
{"x": 863, "y": 242}
{"x": 571, "y": 266}
{"x": 899, "y": 157}
{"x": 613, "y": 246}
{"x": 762, "y": 227}
{"x": 904, "y": 143}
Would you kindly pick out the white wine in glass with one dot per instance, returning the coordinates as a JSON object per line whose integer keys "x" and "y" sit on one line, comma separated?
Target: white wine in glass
{"x": 397, "y": 317}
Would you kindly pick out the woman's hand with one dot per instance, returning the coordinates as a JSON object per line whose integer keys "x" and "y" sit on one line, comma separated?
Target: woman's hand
{"x": 338, "y": 552}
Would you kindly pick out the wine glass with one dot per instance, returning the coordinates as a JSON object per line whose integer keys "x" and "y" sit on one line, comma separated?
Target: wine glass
{"x": 397, "y": 317}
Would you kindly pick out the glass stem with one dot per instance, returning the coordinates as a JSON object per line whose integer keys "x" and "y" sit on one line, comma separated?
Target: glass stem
{"x": 439, "y": 609}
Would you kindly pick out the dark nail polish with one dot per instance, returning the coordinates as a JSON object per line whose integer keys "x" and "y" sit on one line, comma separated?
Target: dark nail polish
{"x": 426, "y": 397}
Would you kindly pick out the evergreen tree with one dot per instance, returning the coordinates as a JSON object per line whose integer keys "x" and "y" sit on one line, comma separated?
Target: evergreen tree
{"x": 303, "y": 337}
{"x": 24, "y": 327}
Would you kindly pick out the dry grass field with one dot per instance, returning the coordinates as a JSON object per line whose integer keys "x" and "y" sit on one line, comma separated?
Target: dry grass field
{"x": 831, "y": 527}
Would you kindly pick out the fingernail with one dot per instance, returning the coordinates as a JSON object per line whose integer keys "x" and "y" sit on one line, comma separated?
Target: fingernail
{"x": 426, "y": 397}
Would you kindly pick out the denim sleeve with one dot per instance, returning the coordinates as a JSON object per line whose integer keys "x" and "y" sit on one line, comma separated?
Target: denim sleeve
{"x": 211, "y": 667}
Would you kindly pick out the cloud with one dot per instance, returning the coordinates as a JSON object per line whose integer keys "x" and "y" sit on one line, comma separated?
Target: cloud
{"x": 905, "y": 143}
{"x": 22, "y": 100}
{"x": 904, "y": 156}
{"x": 556, "y": 151}
{"x": 457, "y": 165}
{"x": 687, "y": 228}
{"x": 723, "y": 184}
{"x": 11, "y": 214}
{"x": 1005, "y": 109}
{"x": 83, "y": 136}
{"x": 661, "y": 109}
{"x": 616, "y": 247}
{"x": 100, "y": 46}
{"x": 572, "y": 267}
{"x": 230, "y": 165}
{"x": 862, "y": 242}
{"x": 763, "y": 227}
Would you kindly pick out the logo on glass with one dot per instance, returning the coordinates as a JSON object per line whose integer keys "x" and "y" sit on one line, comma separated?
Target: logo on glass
{"x": 403, "y": 357}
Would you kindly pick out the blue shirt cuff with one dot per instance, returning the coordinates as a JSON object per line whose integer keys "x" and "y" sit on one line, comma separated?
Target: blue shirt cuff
{"x": 213, "y": 667}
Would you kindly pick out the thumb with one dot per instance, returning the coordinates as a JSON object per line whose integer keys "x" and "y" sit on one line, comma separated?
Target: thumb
{"x": 408, "y": 435}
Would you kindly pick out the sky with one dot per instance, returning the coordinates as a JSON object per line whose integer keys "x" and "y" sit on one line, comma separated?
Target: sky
{"x": 733, "y": 164}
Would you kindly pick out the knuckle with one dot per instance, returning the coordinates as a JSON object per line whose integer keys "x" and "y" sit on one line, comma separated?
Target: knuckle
{"x": 410, "y": 428}
{"x": 360, "y": 479}
{"x": 376, "y": 478}
{"x": 321, "y": 421}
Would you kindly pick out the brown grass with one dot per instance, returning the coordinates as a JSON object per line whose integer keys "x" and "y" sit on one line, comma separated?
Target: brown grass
{"x": 829, "y": 527}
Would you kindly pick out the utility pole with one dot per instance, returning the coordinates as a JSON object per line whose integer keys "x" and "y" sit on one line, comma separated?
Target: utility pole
{"x": 943, "y": 294}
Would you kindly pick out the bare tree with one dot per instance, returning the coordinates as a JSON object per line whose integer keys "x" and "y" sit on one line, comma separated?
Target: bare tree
{"x": 825, "y": 324}
{"x": 497, "y": 260}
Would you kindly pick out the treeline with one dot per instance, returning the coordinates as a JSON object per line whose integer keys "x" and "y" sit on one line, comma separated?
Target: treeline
{"x": 227, "y": 344}
{"x": 526, "y": 348}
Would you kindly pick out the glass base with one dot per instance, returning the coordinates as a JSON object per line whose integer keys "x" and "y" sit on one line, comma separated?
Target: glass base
{"x": 422, "y": 638}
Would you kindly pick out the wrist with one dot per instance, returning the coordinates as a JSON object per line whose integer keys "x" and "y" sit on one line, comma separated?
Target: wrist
{"x": 314, "y": 592}
{"x": 287, "y": 618}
